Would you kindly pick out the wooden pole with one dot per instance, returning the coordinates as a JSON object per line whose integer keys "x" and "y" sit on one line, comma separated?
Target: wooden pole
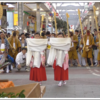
{"x": 41, "y": 23}
{"x": 94, "y": 10}
{"x": 81, "y": 27}
{"x": 55, "y": 23}
{"x": 67, "y": 16}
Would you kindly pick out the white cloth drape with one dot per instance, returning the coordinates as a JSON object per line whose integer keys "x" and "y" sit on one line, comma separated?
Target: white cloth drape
{"x": 34, "y": 48}
{"x": 59, "y": 46}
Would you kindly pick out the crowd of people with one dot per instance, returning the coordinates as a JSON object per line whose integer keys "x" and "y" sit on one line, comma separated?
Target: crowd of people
{"x": 84, "y": 50}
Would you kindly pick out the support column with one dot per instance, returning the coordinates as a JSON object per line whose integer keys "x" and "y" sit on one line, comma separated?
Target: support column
{"x": 46, "y": 22}
{"x": 52, "y": 25}
{"x": 38, "y": 21}
{"x": 92, "y": 26}
{"x": 20, "y": 16}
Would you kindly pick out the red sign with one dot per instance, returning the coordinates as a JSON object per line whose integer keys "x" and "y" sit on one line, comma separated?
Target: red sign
{"x": 57, "y": 14}
{"x": 27, "y": 23}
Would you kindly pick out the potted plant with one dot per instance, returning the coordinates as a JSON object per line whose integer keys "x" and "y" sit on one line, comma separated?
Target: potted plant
{"x": 12, "y": 95}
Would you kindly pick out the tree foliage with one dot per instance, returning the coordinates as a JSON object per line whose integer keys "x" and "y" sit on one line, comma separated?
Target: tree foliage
{"x": 61, "y": 24}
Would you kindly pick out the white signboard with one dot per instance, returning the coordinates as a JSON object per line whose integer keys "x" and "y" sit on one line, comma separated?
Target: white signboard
{"x": 71, "y": 26}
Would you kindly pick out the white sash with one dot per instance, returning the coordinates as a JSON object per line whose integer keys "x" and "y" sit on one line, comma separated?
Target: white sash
{"x": 58, "y": 46}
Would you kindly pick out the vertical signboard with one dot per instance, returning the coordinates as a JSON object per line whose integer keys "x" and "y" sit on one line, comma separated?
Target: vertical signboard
{"x": 15, "y": 19}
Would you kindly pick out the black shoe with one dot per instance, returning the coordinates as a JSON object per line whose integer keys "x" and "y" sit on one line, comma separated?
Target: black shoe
{"x": 18, "y": 69}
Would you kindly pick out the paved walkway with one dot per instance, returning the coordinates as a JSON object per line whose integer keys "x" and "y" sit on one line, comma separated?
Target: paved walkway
{"x": 84, "y": 82}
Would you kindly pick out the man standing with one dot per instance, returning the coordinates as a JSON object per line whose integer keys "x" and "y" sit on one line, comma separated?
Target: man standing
{"x": 21, "y": 59}
{"x": 15, "y": 43}
{"x": 95, "y": 47}
{"x": 72, "y": 52}
{"x": 23, "y": 41}
{"x": 87, "y": 52}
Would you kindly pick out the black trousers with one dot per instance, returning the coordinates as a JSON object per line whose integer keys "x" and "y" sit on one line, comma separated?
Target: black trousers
{"x": 6, "y": 67}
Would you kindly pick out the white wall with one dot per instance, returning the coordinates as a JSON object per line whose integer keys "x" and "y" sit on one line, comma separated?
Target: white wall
{"x": 10, "y": 20}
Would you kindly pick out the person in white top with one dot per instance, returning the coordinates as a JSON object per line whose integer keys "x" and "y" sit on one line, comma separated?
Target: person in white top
{"x": 21, "y": 59}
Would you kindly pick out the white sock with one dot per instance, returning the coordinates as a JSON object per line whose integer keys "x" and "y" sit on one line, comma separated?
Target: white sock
{"x": 60, "y": 82}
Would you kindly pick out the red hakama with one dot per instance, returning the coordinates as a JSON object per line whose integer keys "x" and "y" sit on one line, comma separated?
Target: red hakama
{"x": 59, "y": 73}
{"x": 38, "y": 74}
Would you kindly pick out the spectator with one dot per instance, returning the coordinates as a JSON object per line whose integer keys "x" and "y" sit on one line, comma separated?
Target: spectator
{"x": 8, "y": 35}
{"x": 33, "y": 32}
{"x": 23, "y": 41}
{"x": 43, "y": 35}
{"x": 52, "y": 35}
{"x": 21, "y": 59}
{"x": 48, "y": 34}
{"x": 4, "y": 46}
{"x": 9, "y": 60}
{"x": 27, "y": 35}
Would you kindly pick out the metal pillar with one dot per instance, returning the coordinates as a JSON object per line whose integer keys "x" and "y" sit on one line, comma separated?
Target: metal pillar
{"x": 20, "y": 16}
{"x": 38, "y": 21}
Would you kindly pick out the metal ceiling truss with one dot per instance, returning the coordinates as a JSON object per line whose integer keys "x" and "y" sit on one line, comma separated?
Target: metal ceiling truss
{"x": 71, "y": 10}
{"x": 69, "y": 7}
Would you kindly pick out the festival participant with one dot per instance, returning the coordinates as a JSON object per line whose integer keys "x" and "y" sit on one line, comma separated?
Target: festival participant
{"x": 80, "y": 51}
{"x": 4, "y": 46}
{"x": 15, "y": 43}
{"x": 76, "y": 32}
{"x": 23, "y": 40}
{"x": 58, "y": 57}
{"x": 97, "y": 43}
{"x": 21, "y": 59}
{"x": 95, "y": 47}
{"x": 72, "y": 52}
{"x": 36, "y": 58}
{"x": 87, "y": 52}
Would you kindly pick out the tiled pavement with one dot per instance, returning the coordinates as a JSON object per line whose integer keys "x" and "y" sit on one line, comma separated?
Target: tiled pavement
{"x": 84, "y": 82}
